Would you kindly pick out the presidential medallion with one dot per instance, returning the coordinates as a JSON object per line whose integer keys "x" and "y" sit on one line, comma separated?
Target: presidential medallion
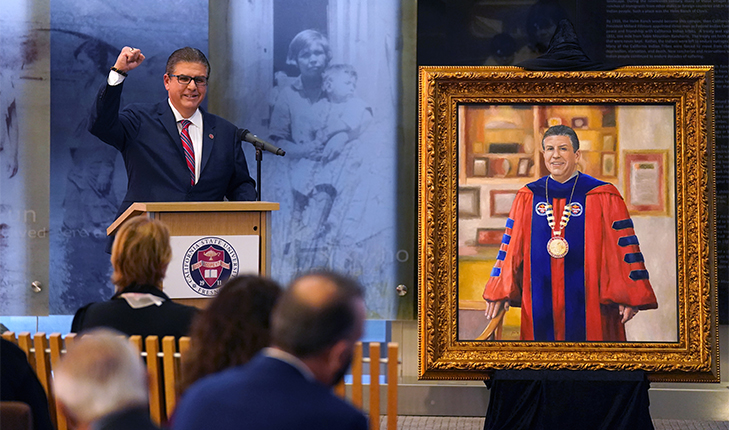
{"x": 558, "y": 247}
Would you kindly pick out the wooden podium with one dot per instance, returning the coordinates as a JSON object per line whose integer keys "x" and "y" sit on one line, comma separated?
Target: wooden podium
{"x": 209, "y": 218}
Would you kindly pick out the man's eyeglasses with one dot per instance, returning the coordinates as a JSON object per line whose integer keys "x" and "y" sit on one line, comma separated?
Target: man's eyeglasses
{"x": 200, "y": 81}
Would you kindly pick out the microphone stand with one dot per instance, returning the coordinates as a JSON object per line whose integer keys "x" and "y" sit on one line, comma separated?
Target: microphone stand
{"x": 244, "y": 135}
{"x": 259, "y": 157}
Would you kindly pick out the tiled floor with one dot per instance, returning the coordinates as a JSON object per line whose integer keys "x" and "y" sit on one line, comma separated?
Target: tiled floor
{"x": 436, "y": 423}
{"x": 468, "y": 423}
{"x": 690, "y": 425}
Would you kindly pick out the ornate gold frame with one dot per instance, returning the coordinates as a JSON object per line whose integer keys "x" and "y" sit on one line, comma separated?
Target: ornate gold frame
{"x": 694, "y": 357}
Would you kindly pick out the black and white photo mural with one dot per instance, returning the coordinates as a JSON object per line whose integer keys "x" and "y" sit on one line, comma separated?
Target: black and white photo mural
{"x": 88, "y": 179}
{"x": 24, "y": 98}
{"x": 320, "y": 80}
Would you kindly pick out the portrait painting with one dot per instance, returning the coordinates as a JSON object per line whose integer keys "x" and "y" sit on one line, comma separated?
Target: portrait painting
{"x": 594, "y": 256}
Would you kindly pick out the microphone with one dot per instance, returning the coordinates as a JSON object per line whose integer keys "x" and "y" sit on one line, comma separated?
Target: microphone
{"x": 244, "y": 135}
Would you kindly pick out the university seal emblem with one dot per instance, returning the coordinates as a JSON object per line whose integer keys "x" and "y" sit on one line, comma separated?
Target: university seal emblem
{"x": 208, "y": 263}
{"x": 575, "y": 209}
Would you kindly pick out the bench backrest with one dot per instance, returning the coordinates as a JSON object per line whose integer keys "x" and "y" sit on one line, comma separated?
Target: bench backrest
{"x": 164, "y": 368}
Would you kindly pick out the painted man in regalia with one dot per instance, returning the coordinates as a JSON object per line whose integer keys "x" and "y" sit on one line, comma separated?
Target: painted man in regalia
{"x": 569, "y": 256}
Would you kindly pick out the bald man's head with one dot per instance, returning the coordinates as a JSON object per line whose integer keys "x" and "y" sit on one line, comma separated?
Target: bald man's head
{"x": 317, "y": 311}
{"x": 314, "y": 290}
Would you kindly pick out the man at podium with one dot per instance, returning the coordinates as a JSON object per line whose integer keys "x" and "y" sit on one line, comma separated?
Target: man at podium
{"x": 173, "y": 150}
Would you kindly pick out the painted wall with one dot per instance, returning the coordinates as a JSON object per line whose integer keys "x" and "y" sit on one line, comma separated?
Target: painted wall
{"x": 646, "y": 128}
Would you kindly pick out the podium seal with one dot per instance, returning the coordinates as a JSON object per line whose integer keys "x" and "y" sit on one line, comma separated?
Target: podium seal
{"x": 208, "y": 263}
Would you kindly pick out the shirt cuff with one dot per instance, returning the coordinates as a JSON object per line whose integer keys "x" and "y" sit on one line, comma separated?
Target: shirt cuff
{"x": 114, "y": 78}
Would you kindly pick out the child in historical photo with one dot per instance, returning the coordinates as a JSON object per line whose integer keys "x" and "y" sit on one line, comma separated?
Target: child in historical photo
{"x": 314, "y": 118}
{"x": 348, "y": 114}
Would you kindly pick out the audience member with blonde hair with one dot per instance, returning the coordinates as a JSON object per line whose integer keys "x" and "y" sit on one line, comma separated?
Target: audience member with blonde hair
{"x": 101, "y": 384}
{"x": 139, "y": 257}
{"x": 232, "y": 329}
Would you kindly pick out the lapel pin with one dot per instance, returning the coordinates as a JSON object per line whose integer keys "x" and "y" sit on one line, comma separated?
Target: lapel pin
{"x": 210, "y": 135}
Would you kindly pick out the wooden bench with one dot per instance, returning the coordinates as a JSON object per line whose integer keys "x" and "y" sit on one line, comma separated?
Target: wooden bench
{"x": 164, "y": 368}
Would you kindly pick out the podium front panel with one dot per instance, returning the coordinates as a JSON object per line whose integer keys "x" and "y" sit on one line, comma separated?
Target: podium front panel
{"x": 202, "y": 223}
{"x": 205, "y": 219}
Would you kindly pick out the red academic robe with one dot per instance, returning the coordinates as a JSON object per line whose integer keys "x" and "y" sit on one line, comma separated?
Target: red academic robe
{"x": 574, "y": 298}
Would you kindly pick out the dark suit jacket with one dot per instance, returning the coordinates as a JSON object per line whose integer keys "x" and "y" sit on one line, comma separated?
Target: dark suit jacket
{"x": 133, "y": 418}
{"x": 147, "y": 137}
{"x": 266, "y": 393}
{"x": 169, "y": 319}
{"x": 18, "y": 382}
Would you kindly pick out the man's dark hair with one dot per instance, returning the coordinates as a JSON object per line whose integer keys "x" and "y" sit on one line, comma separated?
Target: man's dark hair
{"x": 303, "y": 329}
{"x": 562, "y": 130}
{"x": 186, "y": 55}
{"x": 232, "y": 329}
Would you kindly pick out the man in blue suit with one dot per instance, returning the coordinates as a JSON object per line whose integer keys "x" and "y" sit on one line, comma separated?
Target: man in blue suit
{"x": 314, "y": 328}
{"x": 173, "y": 150}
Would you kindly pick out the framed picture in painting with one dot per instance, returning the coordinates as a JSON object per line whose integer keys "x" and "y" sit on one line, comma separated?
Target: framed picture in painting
{"x": 524, "y": 165}
{"x": 608, "y": 164}
{"x": 500, "y": 202}
{"x": 469, "y": 203}
{"x": 645, "y": 181}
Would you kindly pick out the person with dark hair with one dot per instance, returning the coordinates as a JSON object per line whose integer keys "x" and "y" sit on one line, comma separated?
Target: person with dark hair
{"x": 232, "y": 329}
{"x": 19, "y": 383}
{"x": 576, "y": 272}
{"x": 173, "y": 150}
{"x": 314, "y": 327}
{"x": 139, "y": 257}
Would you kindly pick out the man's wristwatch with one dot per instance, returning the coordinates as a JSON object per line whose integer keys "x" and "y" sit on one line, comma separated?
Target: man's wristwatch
{"x": 121, "y": 72}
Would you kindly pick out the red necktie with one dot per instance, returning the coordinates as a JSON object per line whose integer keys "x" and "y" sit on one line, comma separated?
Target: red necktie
{"x": 189, "y": 152}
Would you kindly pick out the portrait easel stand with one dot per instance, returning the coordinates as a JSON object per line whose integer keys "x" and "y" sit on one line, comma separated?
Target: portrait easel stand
{"x": 568, "y": 399}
